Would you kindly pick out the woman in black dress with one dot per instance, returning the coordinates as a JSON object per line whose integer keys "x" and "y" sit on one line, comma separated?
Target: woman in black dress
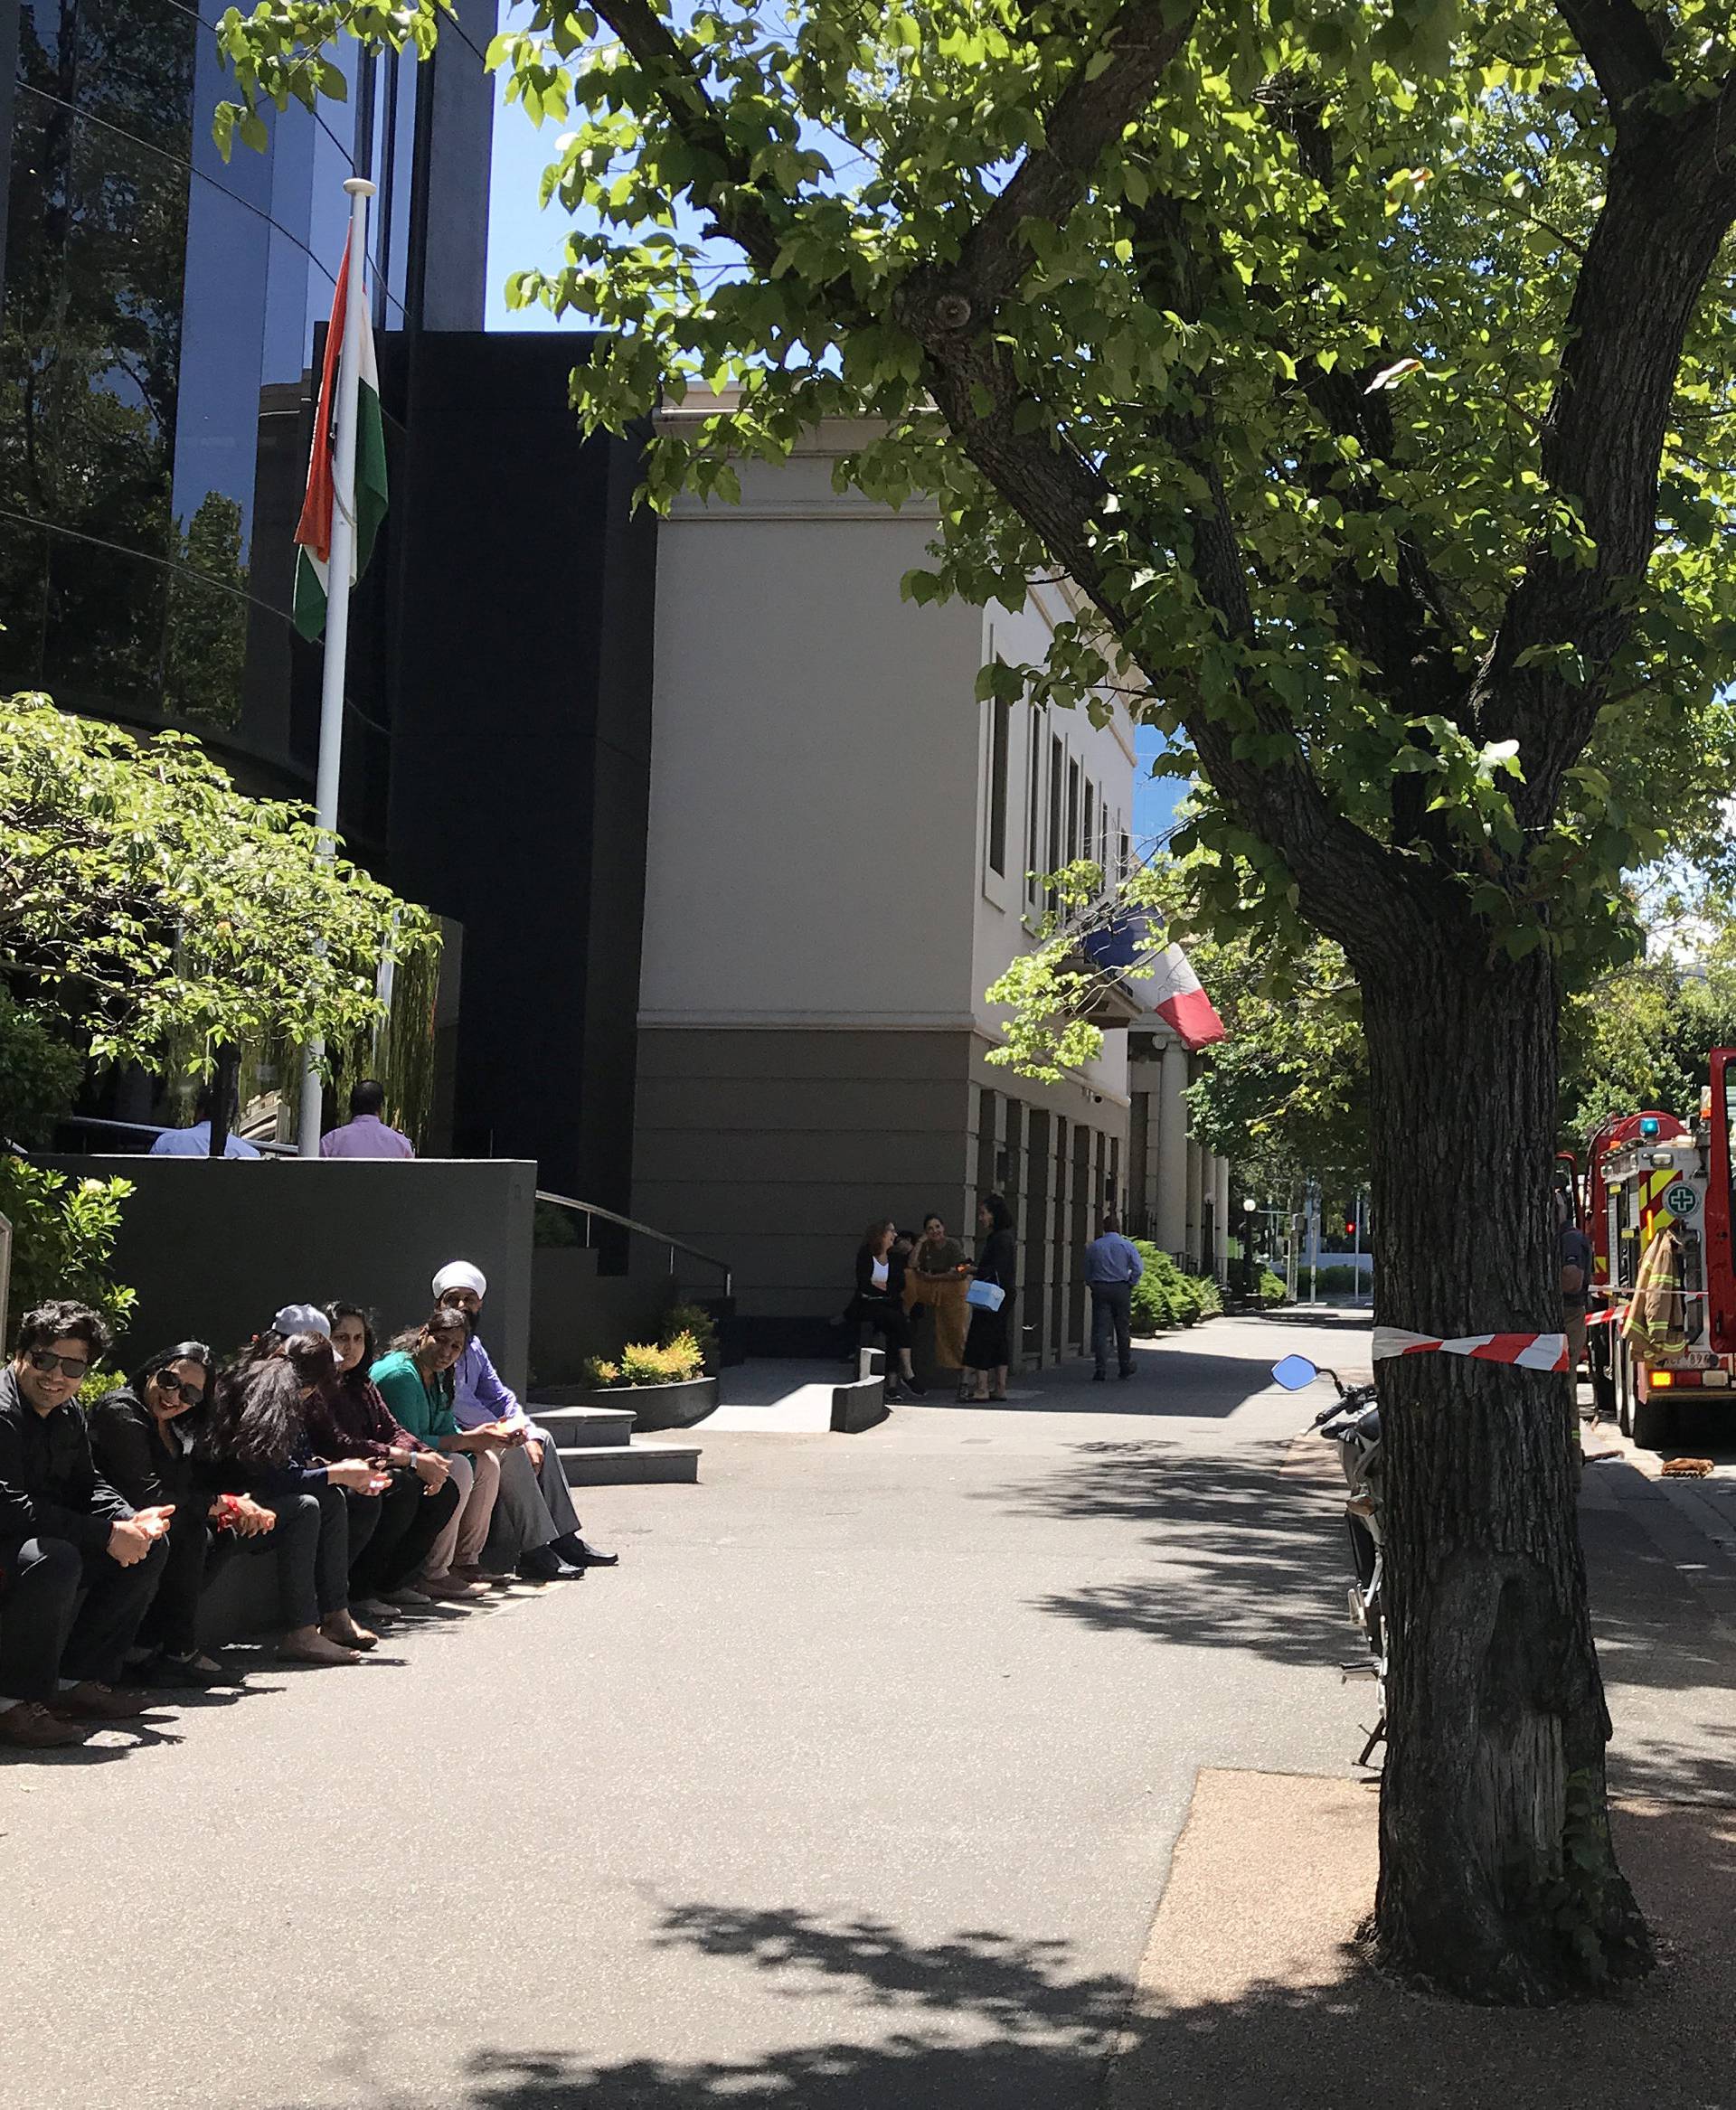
{"x": 987, "y": 1353}
{"x": 879, "y": 1301}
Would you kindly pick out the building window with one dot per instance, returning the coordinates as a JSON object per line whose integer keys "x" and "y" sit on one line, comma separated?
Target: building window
{"x": 1092, "y": 848}
{"x": 1057, "y": 776}
{"x": 1000, "y": 740}
{"x": 1072, "y": 812}
{"x": 1033, "y": 806}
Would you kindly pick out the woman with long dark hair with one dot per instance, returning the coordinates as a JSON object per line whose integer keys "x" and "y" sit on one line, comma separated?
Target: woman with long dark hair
{"x": 879, "y": 1301}
{"x": 142, "y": 1437}
{"x": 988, "y": 1344}
{"x": 347, "y": 1417}
{"x": 415, "y": 1380}
{"x": 256, "y": 1445}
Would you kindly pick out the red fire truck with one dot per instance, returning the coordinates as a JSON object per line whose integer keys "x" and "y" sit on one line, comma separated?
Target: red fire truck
{"x": 1648, "y": 1172}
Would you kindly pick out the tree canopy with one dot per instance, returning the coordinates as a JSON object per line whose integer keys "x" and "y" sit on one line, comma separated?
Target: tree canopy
{"x": 152, "y": 907}
{"x": 1286, "y": 327}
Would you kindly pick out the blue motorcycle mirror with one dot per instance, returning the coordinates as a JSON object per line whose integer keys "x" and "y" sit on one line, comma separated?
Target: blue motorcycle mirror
{"x": 1293, "y": 1372}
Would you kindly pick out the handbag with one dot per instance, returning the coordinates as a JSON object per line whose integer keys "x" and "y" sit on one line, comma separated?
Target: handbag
{"x": 985, "y": 1297}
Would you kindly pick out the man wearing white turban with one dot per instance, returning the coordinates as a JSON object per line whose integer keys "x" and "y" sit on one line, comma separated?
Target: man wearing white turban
{"x": 535, "y": 1528}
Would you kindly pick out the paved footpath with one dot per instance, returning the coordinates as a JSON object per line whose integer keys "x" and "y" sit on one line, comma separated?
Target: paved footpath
{"x": 854, "y": 1788}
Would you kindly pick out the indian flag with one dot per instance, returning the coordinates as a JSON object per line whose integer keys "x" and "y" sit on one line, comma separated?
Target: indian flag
{"x": 313, "y": 530}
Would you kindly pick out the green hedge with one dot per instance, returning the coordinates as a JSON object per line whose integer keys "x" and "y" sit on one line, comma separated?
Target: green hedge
{"x": 1272, "y": 1288}
{"x": 1164, "y": 1296}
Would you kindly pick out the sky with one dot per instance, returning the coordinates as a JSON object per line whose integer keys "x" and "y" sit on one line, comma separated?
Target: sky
{"x": 521, "y": 236}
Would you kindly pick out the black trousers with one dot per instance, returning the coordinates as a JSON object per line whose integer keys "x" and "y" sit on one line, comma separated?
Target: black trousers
{"x": 1112, "y": 1315}
{"x": 42, "y": 1639}
{"x": 408, "y": 1521}
{"x": 316, "y": 1531}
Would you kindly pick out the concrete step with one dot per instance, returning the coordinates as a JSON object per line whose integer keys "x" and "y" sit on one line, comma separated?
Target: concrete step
{"x": 584, "y": 1428}
{"x": 642, "y": 1462}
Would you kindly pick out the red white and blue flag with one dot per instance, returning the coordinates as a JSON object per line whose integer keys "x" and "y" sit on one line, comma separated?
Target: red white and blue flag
{"x": 1182, "y": 1003}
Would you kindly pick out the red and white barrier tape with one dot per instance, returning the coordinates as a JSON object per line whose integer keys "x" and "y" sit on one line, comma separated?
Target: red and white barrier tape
{"x": 1528, "y": 1350}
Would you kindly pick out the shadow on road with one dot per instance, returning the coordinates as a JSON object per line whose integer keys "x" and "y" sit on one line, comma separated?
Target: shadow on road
{"x": 1246, "y": 1551}
{"x": 982, "y": 2019}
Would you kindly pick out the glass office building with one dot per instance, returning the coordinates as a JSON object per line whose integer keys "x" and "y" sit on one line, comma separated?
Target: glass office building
{"x": 158, "y": 331}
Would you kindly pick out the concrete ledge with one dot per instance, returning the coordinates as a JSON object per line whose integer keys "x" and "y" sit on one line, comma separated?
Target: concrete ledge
{"x": 857, "y": 1407}
{"x": 651, "y": 1406}
{"x": 632, "y": 1464}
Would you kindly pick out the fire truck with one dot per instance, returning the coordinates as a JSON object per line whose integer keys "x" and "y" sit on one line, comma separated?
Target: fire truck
{"x": 1648, "y": 1172}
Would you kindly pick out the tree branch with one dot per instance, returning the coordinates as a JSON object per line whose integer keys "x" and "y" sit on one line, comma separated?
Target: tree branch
{"x": 1670, "y": 201}
{"x": 1091, "y": 114}
{"x": 1621, "y": 46}
{"x": 742, "y": 214}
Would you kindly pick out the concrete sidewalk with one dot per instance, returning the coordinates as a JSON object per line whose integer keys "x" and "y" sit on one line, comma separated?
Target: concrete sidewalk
{"x": 854, "y": 1788}
{"x": 1252, "y": 1996}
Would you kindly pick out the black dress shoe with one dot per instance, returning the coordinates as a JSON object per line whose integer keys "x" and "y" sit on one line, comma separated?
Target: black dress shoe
{"x": 541, "y": 1564}
{"x": 576, "y": 1553}
{"x": 914, "y": 1389}
{"x": 1097, "y": 1376}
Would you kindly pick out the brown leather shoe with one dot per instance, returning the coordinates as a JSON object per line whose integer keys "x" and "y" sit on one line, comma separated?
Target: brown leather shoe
{"x": 91, "y": 1702}
{"x": 32, "y": 1728}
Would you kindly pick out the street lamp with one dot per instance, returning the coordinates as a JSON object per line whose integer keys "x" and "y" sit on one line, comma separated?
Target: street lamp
{"x": 1249, "y": 1207}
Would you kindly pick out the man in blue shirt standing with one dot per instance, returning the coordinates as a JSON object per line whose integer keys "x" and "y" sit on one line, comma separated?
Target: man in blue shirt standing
{"x": 1112, "y": 1266}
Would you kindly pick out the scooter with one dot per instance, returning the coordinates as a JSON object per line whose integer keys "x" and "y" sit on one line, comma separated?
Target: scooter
{"x": 1353, "y": 1422}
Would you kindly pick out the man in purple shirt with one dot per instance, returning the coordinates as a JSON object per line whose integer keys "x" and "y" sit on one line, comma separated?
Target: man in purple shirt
{"x": 365, "y": 1133}
{"x": 535, "y": 1528}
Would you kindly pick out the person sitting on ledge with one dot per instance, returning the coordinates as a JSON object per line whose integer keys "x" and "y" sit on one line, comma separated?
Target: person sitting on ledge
{"x": 348, "y": 1417}
{"x": 255, "y": 1444}
{"x": 142, "y": 1434}
{"x": 365, "y": 1133}
{"x": 536, "y": 1527}
{"x": 415, "y": 1380}
{"x": 63, "y": 1530}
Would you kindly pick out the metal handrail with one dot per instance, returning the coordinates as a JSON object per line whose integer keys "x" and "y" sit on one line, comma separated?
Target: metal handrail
{"x": 645, "y": 1230}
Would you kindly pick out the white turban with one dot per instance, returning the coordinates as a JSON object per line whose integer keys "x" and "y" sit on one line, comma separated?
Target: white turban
{"x": 461, "y": 1274}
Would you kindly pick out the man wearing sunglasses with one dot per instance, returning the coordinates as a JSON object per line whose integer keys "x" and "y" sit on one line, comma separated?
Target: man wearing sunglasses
{"x": 63, "y": 1530}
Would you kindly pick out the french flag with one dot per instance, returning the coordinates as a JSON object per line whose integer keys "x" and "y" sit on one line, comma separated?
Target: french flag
{"x": 1179, "y": 1001}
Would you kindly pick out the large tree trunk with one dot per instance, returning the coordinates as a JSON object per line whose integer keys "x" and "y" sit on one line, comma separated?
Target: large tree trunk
{"x": 1498, "y": 1881}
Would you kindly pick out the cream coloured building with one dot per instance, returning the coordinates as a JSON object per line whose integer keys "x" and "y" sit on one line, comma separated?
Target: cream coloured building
{"x": 840, "y": 840}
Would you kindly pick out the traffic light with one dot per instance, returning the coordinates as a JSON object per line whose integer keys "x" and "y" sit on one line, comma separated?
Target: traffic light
{"x": 1350, "y": 1227}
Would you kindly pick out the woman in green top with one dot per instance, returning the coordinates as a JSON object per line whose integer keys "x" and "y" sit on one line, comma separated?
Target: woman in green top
{"x": 415, "y": 1379}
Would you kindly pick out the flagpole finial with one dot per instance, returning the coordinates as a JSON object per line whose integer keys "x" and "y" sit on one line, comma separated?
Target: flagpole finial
{"x": 359, "y": 186}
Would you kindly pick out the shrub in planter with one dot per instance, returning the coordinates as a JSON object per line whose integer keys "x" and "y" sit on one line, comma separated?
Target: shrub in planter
{"x": 694, "y": 1320}
{"x": 1164, "y": 1297}
{"x": 1272, "y": 1288}
{"x": 649, "y": 1363}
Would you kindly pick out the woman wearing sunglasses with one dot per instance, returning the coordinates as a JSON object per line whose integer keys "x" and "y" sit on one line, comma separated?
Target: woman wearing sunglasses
{"x": 142, "y": 1434}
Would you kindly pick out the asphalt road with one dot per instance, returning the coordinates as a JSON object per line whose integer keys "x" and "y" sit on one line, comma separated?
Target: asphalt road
{"x": 853, "y": 1787}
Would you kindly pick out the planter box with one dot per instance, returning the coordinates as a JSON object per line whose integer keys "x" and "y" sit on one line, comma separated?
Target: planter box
{"x": 651, "y": 1406}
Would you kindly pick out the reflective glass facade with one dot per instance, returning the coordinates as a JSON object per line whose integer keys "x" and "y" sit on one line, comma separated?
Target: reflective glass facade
{"x": 158, "y": 329}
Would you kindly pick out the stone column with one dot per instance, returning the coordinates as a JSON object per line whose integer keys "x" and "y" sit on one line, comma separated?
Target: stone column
{"x": 1171, "y": 1128}
{"x": 1221, "y": 1189}
{"x": 1195, "y": 1193}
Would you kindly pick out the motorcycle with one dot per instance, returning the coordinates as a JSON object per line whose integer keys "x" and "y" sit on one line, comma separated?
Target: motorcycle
{"x": 1353, "y": 1421}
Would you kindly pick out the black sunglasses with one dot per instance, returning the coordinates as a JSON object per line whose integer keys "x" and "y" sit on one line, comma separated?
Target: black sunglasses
{"x": 46, "y": 1360}
{"x": 166, "y": 1382}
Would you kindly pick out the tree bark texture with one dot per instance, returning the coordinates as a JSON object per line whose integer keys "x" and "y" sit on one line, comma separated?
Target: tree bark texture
{"x": 1497, "y": 1877}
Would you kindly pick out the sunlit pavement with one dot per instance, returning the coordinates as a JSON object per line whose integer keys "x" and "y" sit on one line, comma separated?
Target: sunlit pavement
{"x": 853, "y": 1788}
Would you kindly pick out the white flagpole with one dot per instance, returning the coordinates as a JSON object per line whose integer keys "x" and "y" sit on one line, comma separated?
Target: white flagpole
{"x": 337, "y": 602}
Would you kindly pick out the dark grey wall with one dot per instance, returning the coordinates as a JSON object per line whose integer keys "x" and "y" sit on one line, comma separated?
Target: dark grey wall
{"x": 578, "y": 1313}
{"x": 214, "y": 1246}
{"x": 520, "y": 717}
